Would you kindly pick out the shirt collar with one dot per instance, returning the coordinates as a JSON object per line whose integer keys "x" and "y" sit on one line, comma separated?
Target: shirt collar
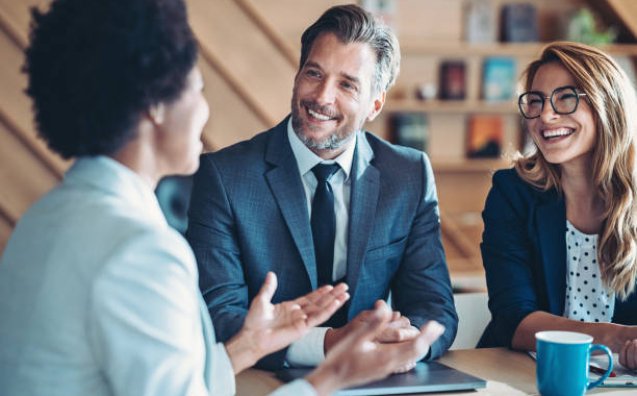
{"x": 113, "y": 178}
{"x": 306, "y": 159}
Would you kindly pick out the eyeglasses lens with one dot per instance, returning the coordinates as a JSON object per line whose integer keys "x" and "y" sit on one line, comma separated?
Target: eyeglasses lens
{"x": 563, "y": 100}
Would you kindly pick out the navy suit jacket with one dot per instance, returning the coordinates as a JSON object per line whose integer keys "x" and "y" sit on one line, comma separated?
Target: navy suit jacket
{"x": 248, "y": 215}
{"x": 524, "y": 256}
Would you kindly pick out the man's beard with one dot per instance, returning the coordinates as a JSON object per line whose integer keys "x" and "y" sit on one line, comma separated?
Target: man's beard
{"x": 334, "y": 141}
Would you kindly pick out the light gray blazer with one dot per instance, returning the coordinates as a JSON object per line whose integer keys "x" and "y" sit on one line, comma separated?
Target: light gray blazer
{"x": 98, "y": 296}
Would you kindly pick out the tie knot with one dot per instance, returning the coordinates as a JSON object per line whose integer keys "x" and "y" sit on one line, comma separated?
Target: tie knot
{"x": 324, "y": 171}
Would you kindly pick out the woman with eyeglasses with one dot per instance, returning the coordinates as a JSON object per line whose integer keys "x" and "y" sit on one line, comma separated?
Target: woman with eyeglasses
{"x": 560, "y": 228}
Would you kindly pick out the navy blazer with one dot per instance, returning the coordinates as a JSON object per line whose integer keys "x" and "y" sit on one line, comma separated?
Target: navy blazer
{"x": 524, "y": 255}
{"x": 248, "y": 215}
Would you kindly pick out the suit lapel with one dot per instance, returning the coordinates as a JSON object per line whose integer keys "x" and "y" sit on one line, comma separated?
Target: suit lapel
{"x": 365, "y": 187}
{"x": 287, "y": 187}
{"x": 551, "y": 225}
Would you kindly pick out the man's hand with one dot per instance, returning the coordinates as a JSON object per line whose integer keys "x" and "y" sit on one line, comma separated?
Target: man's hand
{"x": 360, "y": 358}
{"x": 398, "y": 329}
{"x": 269, "y": 327}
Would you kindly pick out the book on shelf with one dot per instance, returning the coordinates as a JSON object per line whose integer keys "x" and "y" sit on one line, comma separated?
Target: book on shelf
{"x": 498, "y": 78}
{"x": 410, "y": 129}
{"x": 452, "y": 80}
{"x": 519, "y": 23}
{"x": 485, "y": 135}
{"x": 479, "y": 22}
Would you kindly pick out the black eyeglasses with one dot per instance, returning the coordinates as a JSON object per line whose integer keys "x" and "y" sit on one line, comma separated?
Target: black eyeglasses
{"x": 564, "y": 100}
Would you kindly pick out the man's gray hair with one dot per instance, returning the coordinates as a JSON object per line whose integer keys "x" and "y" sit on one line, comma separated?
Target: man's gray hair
{"x": 352, "y": 24}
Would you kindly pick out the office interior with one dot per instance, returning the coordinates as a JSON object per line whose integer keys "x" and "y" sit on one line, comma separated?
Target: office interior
{"x": 249, "y": 53}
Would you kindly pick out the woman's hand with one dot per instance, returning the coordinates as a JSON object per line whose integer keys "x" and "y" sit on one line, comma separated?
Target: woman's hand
{"x": 358, "y": 357}
{"x": 269, "y": 327}
{"x": 628, "y": 355}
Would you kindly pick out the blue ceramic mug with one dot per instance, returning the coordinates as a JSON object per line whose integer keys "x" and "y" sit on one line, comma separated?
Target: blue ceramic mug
{"x": 562, "y": 363}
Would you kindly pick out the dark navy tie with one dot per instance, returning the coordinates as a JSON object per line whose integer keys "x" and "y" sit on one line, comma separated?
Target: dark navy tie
{"x": 323, "y": 222}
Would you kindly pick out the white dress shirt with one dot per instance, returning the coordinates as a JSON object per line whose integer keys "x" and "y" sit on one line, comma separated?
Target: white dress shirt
{"x": 309, "y": 351}
{"x": 98, "y": 296}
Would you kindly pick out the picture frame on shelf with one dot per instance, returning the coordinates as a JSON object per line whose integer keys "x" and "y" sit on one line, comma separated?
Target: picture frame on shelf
{"x": 410, "y": 129}
{"x": 498, "y": 78}
{"x": 485, "y": 136}
{"x": 452, "y": 80}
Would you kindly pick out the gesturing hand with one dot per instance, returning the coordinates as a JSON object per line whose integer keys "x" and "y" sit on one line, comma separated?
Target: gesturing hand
{"x": 359, "y": 357}
{"x": 397, "y": 329}
{"x": 269, "y": 327}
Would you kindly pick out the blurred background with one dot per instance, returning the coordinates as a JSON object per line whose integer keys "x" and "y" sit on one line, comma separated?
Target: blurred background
{"x": 455, "y": 97}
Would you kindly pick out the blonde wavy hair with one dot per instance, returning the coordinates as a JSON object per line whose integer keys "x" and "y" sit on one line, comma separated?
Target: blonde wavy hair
{"x": 612, "y": 98}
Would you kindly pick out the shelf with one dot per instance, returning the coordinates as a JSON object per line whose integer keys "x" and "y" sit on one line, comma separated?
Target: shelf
{"x": 468, "y": 165}
{"x": 452, "y": 106}
{"x": 417, "y": 47}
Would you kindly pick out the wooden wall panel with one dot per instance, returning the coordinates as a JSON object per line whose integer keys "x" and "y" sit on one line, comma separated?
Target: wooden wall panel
{"x": 18, "y": 13}
{"x": 230, "y": 121}
{"x": 25, "y": 179}
{"x": 226, "y": 31}
{"x": 624, "y": 10}
{"x": 292, "y": 17}
{"x": 15, "y": 105}
{"x": 27, "y": 167}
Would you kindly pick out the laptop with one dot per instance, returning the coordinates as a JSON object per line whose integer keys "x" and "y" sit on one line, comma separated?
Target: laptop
{"x": 426, "y": 377}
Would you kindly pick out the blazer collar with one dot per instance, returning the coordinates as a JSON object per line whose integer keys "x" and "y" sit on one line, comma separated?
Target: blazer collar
{"x": 362, "y": 208}
{"x": 112, "y": 178}
{"x": 551, "y": 225}
{"x": 278, "y": 151}
{"x": 287, "y": 187}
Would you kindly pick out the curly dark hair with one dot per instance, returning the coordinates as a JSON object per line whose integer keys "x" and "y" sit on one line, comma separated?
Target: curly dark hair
{"x": 94, "y": 67}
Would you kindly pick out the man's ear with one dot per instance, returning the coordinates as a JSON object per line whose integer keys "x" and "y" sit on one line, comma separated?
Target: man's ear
{"x": 156, "y": 113}
{"x": 378, "y": 103}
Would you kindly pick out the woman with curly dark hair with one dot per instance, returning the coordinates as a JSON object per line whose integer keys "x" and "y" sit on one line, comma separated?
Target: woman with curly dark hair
{"x": 98, "y": 296}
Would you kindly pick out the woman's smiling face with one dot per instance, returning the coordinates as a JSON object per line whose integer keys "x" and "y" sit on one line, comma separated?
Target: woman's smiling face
{"x": 562, "y": 139}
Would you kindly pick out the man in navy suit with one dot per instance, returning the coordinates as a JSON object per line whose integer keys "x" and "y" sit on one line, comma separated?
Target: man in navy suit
{"x": 316, "y": 199}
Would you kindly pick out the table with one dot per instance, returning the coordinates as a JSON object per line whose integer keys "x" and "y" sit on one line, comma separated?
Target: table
{"x": 508, "y": 373}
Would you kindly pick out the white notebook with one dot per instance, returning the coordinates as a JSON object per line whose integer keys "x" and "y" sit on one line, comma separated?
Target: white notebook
{"x": 621, "y": 377}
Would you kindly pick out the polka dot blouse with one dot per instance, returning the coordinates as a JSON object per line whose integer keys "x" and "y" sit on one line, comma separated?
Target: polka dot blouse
{"x": 587, "y": 300}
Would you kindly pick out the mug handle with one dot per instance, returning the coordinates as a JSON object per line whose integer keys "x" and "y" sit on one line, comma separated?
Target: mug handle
{"x": 599, "y": 347}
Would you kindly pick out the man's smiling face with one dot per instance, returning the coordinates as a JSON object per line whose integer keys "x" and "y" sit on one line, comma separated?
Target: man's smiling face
{"x": 333, "y": 95}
